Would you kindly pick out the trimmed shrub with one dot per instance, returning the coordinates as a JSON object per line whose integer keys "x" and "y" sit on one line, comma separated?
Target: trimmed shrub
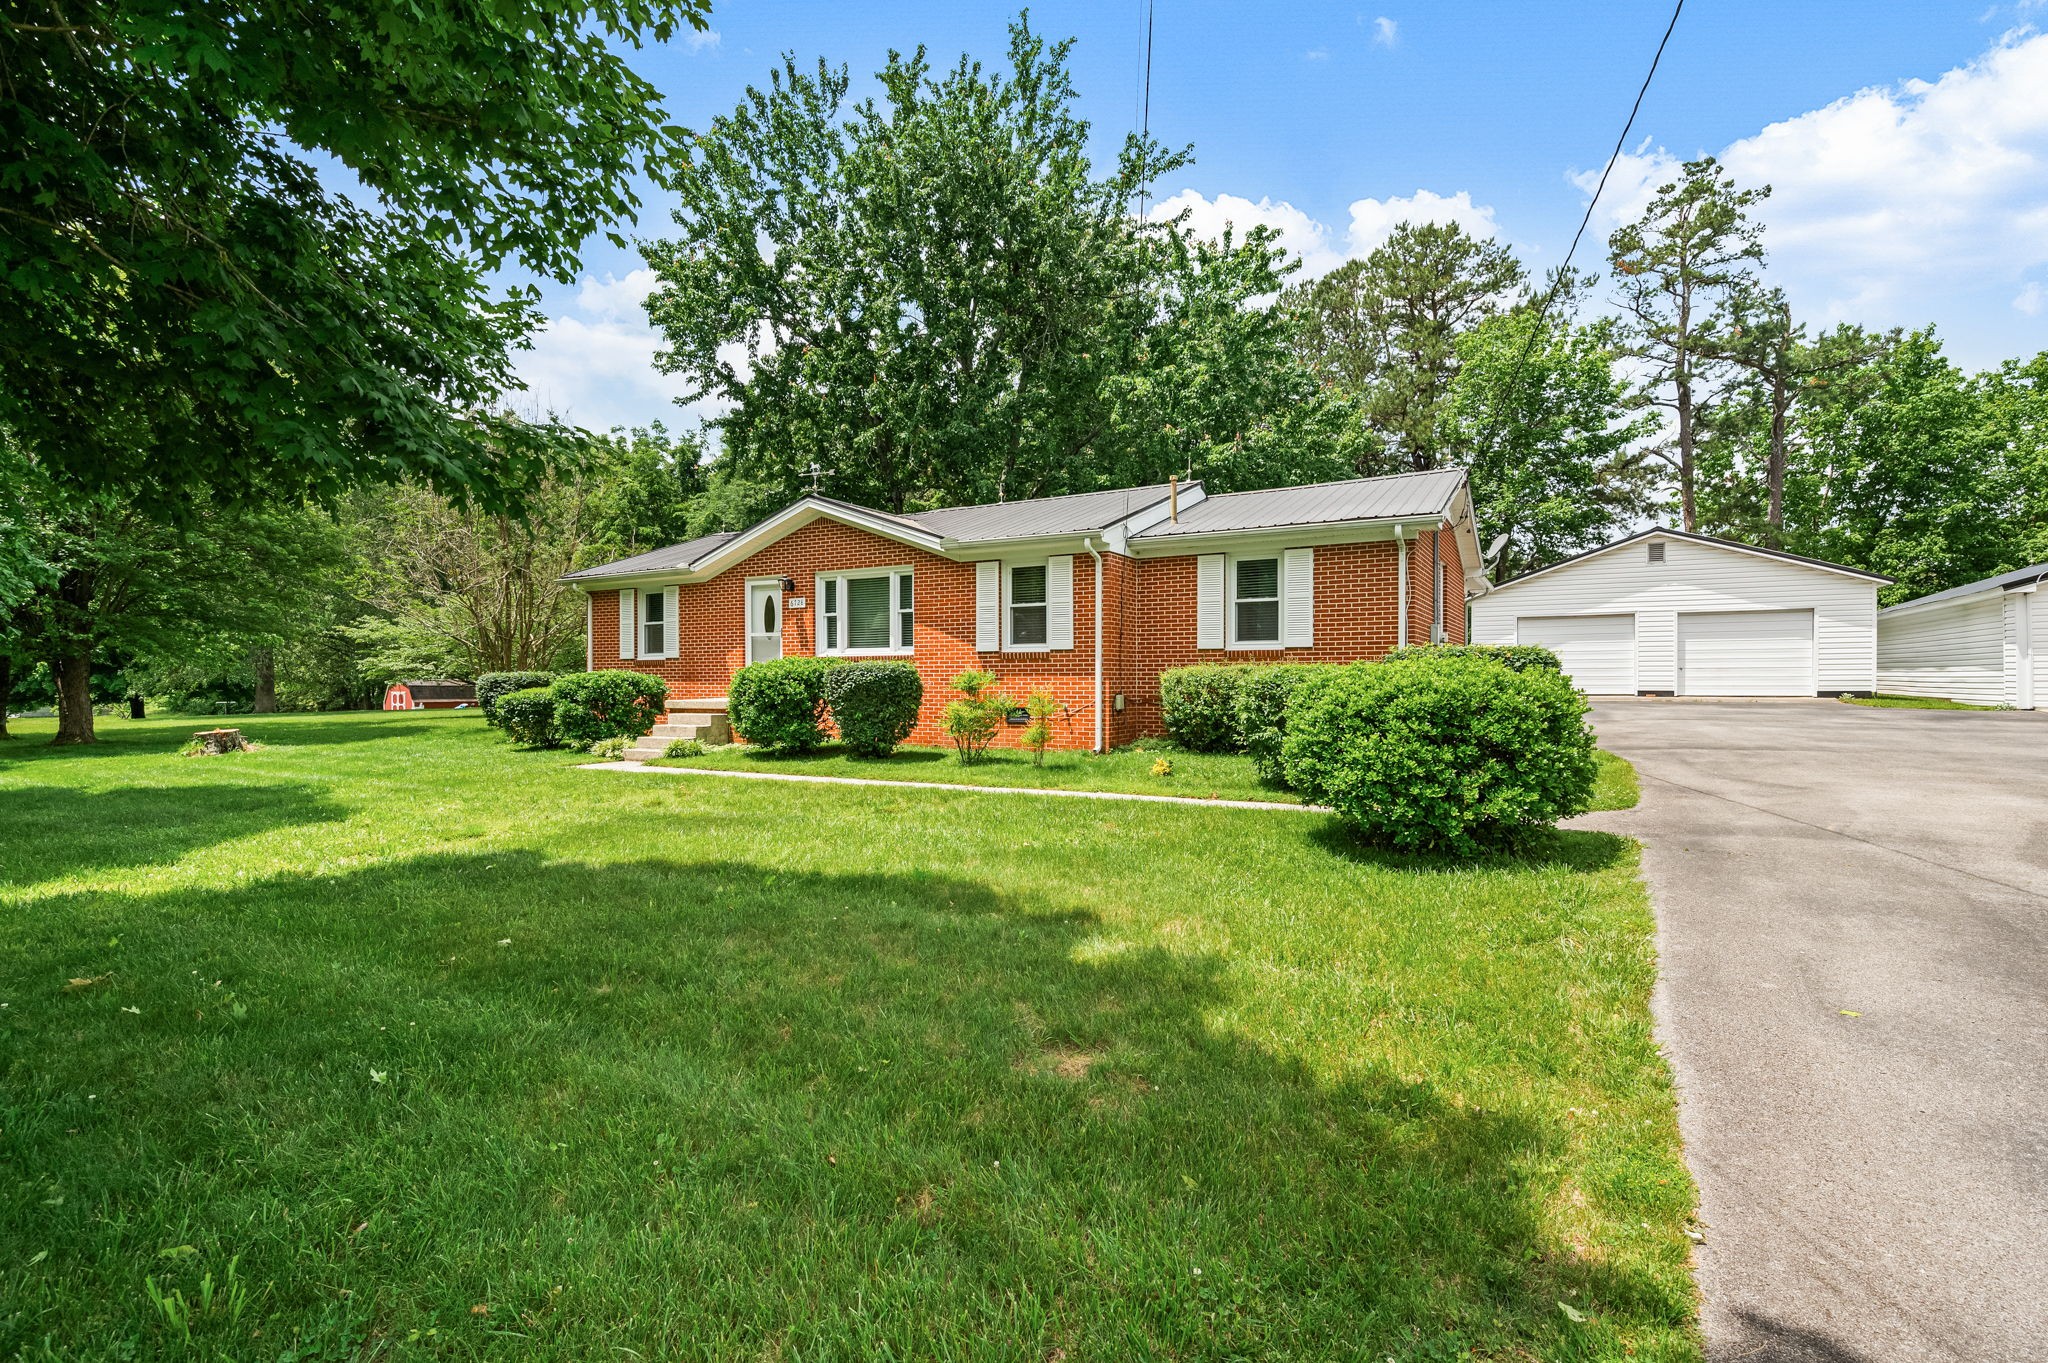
{"x": 613, "y": 704}
{"x": 873, "y": 705}
{"x": 610, "y": 749}
{"x": 780, "y": 703}
{"x": 684, "y": 747}
{"x": 529, "y": 717}
{"x": 972, "y": 721}
{"x": 1199, "y": 705}
{"x": 1262, "y": 713}
{"x": 493, "y": 685}
{"x": 1453, "y": 753}
{"x": 1514, "y": 657}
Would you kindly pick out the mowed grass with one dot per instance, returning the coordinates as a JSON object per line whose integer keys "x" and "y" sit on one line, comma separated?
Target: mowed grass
{"x": 1130, "y": 770}
{"x": 1913, "y": 703}
{"x": 388, "y": 1041}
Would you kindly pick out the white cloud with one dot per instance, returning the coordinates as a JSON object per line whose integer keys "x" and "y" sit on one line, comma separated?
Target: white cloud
{"x": 1316, "y": 54}
{"x": 1385, "y": 31}
{"x": 699, "y": 40}
{"x": 2032, "y": 299}
{"x": 593, "y": 363}
{"x": 1321, "y": 247}
{"x": 1891, "y": 203}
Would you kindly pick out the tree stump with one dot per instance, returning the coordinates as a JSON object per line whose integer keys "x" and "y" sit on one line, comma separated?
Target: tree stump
{"x": 218, "y": 741}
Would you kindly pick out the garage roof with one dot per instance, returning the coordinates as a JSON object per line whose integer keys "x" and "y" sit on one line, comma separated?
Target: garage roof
{"x": 1690, "y": 538}
{"x": 2018, "y": 577}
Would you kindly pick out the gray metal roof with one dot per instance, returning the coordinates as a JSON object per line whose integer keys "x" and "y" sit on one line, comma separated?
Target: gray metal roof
{"x": 1356, "y": 499}
{"x": 1716, "y": 541}
{"x": 2018, "y": 577}
{"x": 655, "y": 560}
{"x": 1071, "y": 515}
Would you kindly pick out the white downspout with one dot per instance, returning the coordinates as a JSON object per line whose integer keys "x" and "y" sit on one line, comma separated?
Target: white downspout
{"x": 1089, "y": 545}
{"x": 1401, "y": 591}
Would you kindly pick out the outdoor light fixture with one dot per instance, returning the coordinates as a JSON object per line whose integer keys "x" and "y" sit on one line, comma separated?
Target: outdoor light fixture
{"x": 789, "y": 584}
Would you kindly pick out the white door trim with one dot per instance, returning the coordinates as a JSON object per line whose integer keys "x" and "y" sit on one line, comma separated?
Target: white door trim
{"x": 760, "y": 589}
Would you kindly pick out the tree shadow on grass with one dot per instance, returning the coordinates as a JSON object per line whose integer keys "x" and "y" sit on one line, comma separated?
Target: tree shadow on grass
{"x": 161, "y": 735}
{"x": 47, "y": 832}
{"x": 551, "y": 1109}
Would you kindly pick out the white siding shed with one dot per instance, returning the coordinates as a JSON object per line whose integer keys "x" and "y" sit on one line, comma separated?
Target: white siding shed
{"x": 1978, "y": 644}
{"x": 1668, "y": 613}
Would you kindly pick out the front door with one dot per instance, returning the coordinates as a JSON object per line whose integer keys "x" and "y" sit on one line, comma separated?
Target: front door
{"x": 764, "y": 621}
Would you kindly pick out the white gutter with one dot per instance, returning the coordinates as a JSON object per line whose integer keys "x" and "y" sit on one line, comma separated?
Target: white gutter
{"x": 1401, "y": 590}
{"x": 1089, "y": 545}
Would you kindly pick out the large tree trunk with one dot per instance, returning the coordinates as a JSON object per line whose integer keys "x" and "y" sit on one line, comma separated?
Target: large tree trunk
{"x": 266, "y": 682}
{"x": 1688, "y": 504}
{"x": 74, "y": 697}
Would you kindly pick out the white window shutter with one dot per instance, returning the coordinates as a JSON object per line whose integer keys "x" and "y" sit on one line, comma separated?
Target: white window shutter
{"x": 1298, "y": 597}
{"x": 1209, "y": 601}
{"x": 629, "y": 622}
{"x": 1059, "y": 601}
{"x": 817, "y": 617}
{"x": 988, "y": 607}
{"x": 671, "y": 626}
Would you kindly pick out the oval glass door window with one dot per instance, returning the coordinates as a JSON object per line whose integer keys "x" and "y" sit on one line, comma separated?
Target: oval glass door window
{"x": 767, "y": 615}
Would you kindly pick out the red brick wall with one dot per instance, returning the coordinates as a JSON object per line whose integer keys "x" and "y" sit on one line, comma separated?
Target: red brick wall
{"x": 713, "y": 627}
{"x": 1148, "y": 620}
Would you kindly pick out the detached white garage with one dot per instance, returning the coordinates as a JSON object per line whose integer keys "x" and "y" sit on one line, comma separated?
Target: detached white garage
{"x": 1667, "y": 613}
{"x": 1976, "y": 644}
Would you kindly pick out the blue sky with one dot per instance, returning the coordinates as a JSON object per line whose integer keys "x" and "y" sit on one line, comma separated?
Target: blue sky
{"x": 1907, "y": 143}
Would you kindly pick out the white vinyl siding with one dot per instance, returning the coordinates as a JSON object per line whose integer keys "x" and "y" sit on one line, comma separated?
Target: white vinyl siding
{"x": 1598, "y": 652}
{"x": 1954, "y": 652}
{"x": 1745, "y": 653}
{"x": 1694, "y": 579}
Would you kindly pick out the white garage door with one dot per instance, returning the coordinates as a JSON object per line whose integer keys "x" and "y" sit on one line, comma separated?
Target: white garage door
{"x": 1746, "y": 653}
{"x": 1598, "y": 651}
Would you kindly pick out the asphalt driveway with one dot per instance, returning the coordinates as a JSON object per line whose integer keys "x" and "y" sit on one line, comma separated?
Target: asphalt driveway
{"x": 1852, "y": 909}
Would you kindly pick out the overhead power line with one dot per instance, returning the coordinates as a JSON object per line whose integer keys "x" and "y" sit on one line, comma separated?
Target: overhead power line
{"x": 1564, "y": 270}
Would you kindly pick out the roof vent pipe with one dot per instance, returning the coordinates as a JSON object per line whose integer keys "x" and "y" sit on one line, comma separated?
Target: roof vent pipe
{"x": 1173, "y": 498}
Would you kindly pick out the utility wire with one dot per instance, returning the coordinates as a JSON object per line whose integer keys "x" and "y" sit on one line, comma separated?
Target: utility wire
{"x": 1564, "y": 270}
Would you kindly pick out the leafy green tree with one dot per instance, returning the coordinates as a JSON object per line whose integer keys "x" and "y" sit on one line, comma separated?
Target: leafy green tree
{"x": 1384, "y": 331}
{"x": 2013, "y": 416}
{"x": 194, "y": 314}
{"x": 643, "y": 485}
{"x": 1694, "y": 246}
{"x": 1899, "y": 472}
{"x": 934, "y": 298}
{"x": 1555, "y": 461}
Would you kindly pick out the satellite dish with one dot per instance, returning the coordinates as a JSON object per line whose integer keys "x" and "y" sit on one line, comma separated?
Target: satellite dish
{"x": 1500, "y": 542}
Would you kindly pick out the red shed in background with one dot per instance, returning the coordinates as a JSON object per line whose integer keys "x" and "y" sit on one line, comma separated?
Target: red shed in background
{"x": 433, "y": 694}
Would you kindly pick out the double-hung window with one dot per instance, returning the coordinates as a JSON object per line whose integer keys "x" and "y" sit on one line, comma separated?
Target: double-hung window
{"x": 654, "y": 624}
{"x": 1027, "y": 605}
{"x": 866, "y": 612}
{"x": 1255, "y": 601}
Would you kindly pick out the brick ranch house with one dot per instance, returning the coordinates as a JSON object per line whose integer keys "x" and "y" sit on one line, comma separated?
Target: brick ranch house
{"x": 1172, "y": 575}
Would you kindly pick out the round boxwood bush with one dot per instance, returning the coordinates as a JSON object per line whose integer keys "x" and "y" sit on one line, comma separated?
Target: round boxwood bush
{"x": 1262, "y": 694}
{"x": 491, "y": 686}
{"x": 873, "y": 705}
{"x": 591, "y": 706}
{"x": 780, "y": 703}
{"x": 1440, "y": 753}
{"x": 529, "y": 716}
{"x": 1199, "y": 705}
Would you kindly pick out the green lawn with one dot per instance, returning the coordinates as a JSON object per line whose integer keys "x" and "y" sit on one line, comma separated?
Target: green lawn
{"x": 388, "y": 1041}
{"x": 1202, "y": 776}
{"x": 1913, "y": 703}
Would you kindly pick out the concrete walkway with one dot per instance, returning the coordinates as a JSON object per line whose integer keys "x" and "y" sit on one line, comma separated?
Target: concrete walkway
{"x": 954, "y": 785}
{"x": 1852, "y": 908}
